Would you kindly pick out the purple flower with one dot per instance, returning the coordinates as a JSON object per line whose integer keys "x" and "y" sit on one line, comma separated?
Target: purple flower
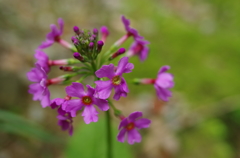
{"x": 39, "y": 89}
{"x": 139, "y": 48}
{"x": 54, "y": 35}
{"x": 163, "y": 82}
{"x": 104, "y": 88}
{"x": 130, "y": 31}
{"x": 130, "y": 126}
{"x": 42, "y": 60}
{"x": 65, "y": 121}
{"x": 60, "y": 102}
{"x": 86, "y": 100}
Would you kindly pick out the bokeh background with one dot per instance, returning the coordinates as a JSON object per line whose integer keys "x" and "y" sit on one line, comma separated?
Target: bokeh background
{"x": 200, "y": 40}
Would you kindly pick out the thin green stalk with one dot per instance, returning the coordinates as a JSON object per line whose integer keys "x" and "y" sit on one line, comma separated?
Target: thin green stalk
{"x": 109, "y": 135}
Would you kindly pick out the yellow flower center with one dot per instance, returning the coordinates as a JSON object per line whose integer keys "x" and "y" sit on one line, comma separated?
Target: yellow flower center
{"x": 116, "y": 80}
{"x": 87, "y": 100}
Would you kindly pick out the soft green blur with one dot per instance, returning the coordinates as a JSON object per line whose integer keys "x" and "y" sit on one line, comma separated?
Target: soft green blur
{"x": 200, "y": 40}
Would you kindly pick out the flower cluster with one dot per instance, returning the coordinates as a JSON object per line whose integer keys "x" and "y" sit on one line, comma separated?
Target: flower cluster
{"x": 88, "y": 60}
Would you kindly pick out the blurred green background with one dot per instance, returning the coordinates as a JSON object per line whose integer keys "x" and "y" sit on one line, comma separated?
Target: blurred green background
{"x": 200, "y": 40}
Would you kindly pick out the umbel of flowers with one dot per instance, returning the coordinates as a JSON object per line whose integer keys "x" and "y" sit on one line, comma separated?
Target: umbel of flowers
{"x": 88, "y": 59}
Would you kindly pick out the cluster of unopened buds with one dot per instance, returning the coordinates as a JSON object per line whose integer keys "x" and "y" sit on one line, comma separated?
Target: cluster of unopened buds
{"x": 89, "y": 60}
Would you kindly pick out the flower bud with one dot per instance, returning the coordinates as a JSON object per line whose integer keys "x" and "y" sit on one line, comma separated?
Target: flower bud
{"x": 99, "y": 46}
{"x": 119, "y": 52}
{"x": 78, "y": 56}
{"x": 76, "y": 30}
{"x": 95, "y": 31}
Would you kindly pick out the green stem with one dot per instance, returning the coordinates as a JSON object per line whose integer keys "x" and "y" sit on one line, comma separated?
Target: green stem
{"x": 116, "y": 111}
{"x": 109, "y": 135}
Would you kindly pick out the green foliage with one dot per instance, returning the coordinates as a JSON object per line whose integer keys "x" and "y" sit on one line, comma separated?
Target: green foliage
{"x": 14, "y": 124}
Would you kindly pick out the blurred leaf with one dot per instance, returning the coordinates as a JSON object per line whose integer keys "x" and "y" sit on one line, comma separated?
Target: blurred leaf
{"x": 12, "y": 123}
{"x": 89, "y": 141}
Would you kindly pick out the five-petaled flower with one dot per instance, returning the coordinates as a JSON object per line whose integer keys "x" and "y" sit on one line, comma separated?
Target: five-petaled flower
{"x": 139, "y": 48}
{"x": 129, "y": 126}
{"x": 86, "y": 100}
{"x": 65, "y": 120}
{"x": 39, "y": 89}
{"x": 130, "y": 31}
{"x": 163, "y": 82}
{"x": 54, "y": 35}
{"x": 104, "y": 88}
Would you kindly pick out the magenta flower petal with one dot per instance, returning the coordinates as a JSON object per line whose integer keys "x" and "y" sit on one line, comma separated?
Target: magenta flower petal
{"x": 121, "y": 135}
{"x": 56, "y": 102}
{"x": 61, "y": 25}
{"x": 163, "y": 94}
{"x": 73, "y": 106}
{"x": 119, "y": 92}
{"x": 142, "y": 123}
{"x": 134, "y": 136}
{"x": 90, "y": 90}
{"x": 36, "y": 74}
{"x": 133, "y": 116}
{"x": 106, "y": 71}
{"x": 42, "y": 60}
{"x": 90, "y": 114}
{"x": 124, "y": 85}
{"x": 103, "y": 89}
{"x": 163, "y": 69}
{"x": 65, "y": 121}
{"x": 101, "y": 103}
{"x": 165, "y": 80}
{"x": 45, "y": 100}
{"x": 123, "y": 123}
{"x": 124, "y": 66}
{"x": 75, "y": 90}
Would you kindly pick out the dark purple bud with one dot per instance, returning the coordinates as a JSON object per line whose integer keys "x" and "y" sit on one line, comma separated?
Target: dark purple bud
{"x": 100, "y": 43}
{"x": 78, "y": 56}
{"x": 91, "y": 44}
{"x": 95, "y": 31}
{"x": 61, "y": 67}
{"x": 76, "y": 30}
{"x": 94, "y": 36}
{"x": 121, "y": 50}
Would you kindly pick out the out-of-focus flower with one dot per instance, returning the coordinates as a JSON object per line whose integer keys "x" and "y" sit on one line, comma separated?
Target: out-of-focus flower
{"x": 130, "y": 31}
{"x": 39, "y": 89}
{"x": 65, "y": 120}
{"x": 130, "y": 125}
{"x": 54, "y": 35}
{"x": 139, "y": 48}
{"x": 162, "y": 83}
